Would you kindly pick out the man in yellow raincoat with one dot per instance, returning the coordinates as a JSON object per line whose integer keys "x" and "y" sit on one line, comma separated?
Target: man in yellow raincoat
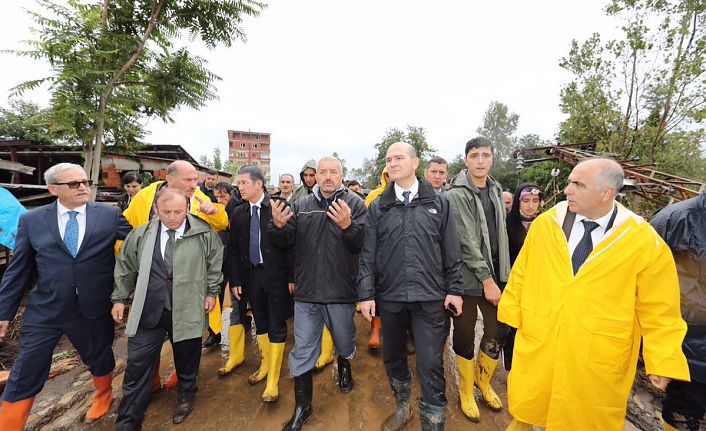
{"x": 183, "y": 176}
{"x": 591, "y": 281}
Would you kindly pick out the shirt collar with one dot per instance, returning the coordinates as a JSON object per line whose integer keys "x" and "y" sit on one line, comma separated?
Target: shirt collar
{"x": 179, "y": 230}
{"x": 414, "y": 189}
{"x": 602, "y": 221}
{"x": 63, "y": 210}
{"x": 257, "y": 204}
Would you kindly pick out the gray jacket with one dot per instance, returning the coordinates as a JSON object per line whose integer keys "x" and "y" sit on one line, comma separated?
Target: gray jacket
{"x": 467, "y": 208}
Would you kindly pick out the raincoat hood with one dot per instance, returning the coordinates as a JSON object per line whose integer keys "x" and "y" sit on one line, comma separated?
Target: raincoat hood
{"x": 384, "y": 179}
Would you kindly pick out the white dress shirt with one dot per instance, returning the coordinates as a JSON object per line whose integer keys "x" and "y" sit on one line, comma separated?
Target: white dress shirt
{"x": 164, "y": 236}
{"x": 413, "y": 191}
{"x": 258, "y": 204}
{"x": 63, "y": 218}
{"x": 596, "y": 235}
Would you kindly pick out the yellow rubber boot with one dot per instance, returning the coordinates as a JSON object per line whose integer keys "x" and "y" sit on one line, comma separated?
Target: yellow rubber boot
{"x": 264, "y": 342}
{"x": 485, "y": 368}
{"x": 516, "y": 425}
{"x": 465, "y": 389}
{"x": 14, "y": 414}
{"x": 236, "y": 351}
{"x": 271, "y": 393}
{"x": 326, "y": 356}
{"x": 668, "y": 427}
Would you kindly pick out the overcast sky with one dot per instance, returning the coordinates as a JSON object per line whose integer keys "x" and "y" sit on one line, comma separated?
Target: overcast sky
{"x": 324, "y": 76}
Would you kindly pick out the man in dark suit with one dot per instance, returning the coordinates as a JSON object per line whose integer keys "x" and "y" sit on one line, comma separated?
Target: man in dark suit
{"x": 69, "y": 244}
{"x": 258, "y": 268}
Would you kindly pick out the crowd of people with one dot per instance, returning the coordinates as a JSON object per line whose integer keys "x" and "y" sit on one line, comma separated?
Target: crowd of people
{"x": 570, "y": 296}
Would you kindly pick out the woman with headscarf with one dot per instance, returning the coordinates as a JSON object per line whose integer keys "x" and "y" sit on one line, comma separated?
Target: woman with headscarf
{"x": 526, "y": 205}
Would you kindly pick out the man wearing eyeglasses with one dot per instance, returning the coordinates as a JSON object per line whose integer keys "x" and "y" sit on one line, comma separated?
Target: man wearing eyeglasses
{"x": 69, "y": 244}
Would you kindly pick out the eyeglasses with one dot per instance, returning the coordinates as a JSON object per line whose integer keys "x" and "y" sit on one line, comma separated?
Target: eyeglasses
{"x": 75, "y": 184}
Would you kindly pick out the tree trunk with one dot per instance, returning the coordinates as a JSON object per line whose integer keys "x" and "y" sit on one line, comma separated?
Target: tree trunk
{"x": 95, "y": 158}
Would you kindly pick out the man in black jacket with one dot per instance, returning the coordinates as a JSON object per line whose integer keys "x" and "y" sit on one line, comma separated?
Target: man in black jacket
{"x": 258, "y": 267}
{"x": 683, "y": 228}
{"x": 326, "y": 228}
{"x": 411, "y": 264}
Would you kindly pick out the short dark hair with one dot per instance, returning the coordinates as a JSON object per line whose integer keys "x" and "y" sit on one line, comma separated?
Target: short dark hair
{"x": 132, "y": 177}
{"x": 224, "y": 187}
{"x": 254, "y": 172}
{"x": 479, "y": 142}
{"x": 212, "y": 172}
{"x": 439, "y": 160}
{"x": 353, "y": 183}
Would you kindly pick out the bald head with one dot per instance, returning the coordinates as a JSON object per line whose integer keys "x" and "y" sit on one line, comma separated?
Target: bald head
{"x": 507, "y": 200}
{"x": 402, "y": 162}
{"x": 183, "y": 176}
{"x": 593, "y": 185}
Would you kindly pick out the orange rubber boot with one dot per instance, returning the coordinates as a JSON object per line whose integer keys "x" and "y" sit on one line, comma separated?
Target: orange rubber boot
{"x": 13, "y": 415}
{"x": 374, "y": 341}
{"x": 102, "y": 399}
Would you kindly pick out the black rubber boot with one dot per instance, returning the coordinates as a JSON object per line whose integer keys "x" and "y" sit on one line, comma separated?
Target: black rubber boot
{"x": 345, "y": 375}
{"x": 302, "y": 395}
{"x": 212, "y": 340}
{"x": 403, "y": 405}
{"x": 432, "y": 417}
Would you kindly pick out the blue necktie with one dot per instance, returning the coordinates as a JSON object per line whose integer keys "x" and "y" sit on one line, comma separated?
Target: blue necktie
{"x": 585, "y": 246}
{"x": 255, "y": 237}
{"x": 405, "y": 195}
{"x": 71, "y": 234}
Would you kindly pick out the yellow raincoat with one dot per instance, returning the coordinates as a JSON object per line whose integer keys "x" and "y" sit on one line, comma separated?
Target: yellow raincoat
{"x": 578, "y": 337}
{"x": 384, "y": 178}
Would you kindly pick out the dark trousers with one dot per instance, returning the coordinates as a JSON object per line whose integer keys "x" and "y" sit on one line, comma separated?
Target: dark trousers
{"x": 271, "y": 305}
{"x": 685, "y": 405}
{"x": 92, "y": 338}
{"x": 495, "y": 333}
{"x": 430, "y": 328}
{"x": 143, "y": 350}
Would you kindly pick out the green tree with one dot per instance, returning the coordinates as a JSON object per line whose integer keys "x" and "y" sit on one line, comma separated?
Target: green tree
{"x": 499, "y": 125}
{"x": 213, "y": 162}
{"x": 414, "y": 135}
{"x": 343, "y": 163}
{"x": 27, "y": 121}
{"x": 457, "y": 165}
{"x": 115, "y": 62}
{"x": 643, "y": 94}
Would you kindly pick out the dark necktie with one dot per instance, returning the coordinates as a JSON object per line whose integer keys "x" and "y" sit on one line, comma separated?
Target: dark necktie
{"x": 169, "y": 252}
{"x": 585, "y": 246}
{"x": 405, "y": 195}
{"x": 71, "y": 234}
{"x": 255, "y": 237}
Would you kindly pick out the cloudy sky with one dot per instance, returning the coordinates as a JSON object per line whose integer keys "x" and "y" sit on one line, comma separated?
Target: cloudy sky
{"x": 324, "y": 76}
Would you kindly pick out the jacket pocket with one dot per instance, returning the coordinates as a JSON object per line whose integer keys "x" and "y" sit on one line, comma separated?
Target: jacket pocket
{"x": 611, "y": 342}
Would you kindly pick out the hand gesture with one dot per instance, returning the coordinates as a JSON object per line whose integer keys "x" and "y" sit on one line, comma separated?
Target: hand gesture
{"x": 281, "y": 213}
{"x": 457, "y": 302}
{"x": 659, "y": 382}
{"x": 292, "y": 287}
{"x": 340, "y": 213}
{"x": 117, "y": 312}
{"x": 491, "y": 291}
{"x": 367, "y": 309}
{"x": 4, "y": 324}
{"x": 237, "y": 292}
{"x": 209, "y": 304}
{"x": 205, "y": 206}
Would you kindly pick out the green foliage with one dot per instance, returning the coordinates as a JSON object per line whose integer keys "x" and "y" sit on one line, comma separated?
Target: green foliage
{"x": 643, "y": 95}
{"x": 456, "y": 165}
{"x": 27, "y": 121}
{"x": 499, "y": 125}
{"x": 343, "y": 163}
{"x": 116, "y": 62}
{"x": 415, "y": 136}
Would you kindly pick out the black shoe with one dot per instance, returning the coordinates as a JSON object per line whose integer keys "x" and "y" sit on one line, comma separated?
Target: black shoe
{"x": 302, "y": 395}
{"x": 183, "y": 409}
{"x": 345, "y": 376}
{"x": 212, "y": 340}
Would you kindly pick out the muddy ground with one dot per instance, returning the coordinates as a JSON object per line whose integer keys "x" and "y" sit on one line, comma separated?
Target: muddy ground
{"x": 229, "y": 403}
